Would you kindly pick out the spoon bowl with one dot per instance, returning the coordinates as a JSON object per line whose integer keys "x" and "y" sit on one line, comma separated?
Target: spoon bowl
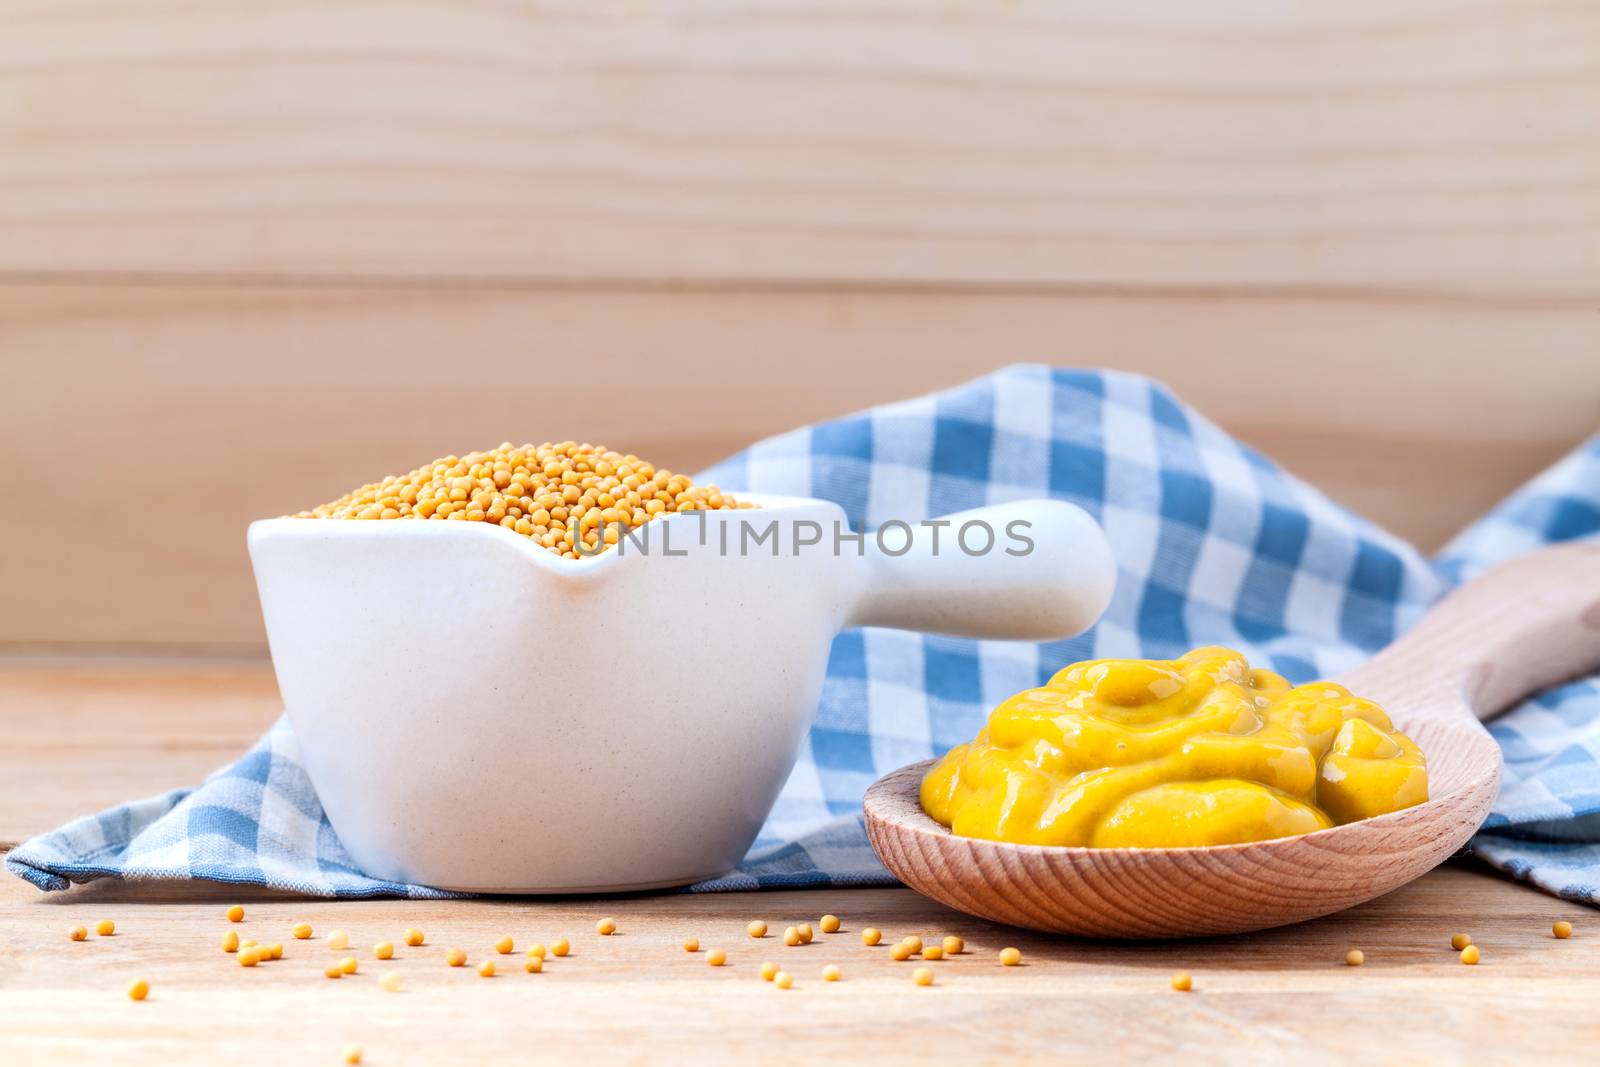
{"x": 1522, "y": 626}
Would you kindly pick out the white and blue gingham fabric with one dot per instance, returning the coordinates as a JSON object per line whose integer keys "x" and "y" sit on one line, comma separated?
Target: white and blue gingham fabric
{"x": 1214, "y": 545}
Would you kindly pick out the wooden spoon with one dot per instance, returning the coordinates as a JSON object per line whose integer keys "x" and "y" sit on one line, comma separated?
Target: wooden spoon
{"x": 1522, "y": 626}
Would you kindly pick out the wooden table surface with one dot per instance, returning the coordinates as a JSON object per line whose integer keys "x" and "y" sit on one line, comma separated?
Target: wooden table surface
{"x": 78, "y": 738}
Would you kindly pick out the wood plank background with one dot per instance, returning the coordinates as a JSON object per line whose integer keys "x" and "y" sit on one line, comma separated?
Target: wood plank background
{"x": 251, "y": 255}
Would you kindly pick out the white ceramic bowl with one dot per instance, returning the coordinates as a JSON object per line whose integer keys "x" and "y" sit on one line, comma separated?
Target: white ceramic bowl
{"x": 477, "y": 713}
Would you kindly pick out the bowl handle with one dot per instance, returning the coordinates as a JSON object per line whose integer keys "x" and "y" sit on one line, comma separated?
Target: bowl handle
{"x": 1032, "y": 570}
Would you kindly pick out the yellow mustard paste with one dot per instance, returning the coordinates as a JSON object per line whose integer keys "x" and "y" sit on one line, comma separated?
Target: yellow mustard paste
{"x": 1196, "y": 751}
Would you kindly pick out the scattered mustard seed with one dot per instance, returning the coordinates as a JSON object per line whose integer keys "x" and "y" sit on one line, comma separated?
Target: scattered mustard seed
{"x": 805, "y": 932}
{"x": 78, "y": 933}
{"x": 139, "y": 990}
{"x": 1561, "y": 928}
{"x": 932, "y": 952}
{"x": 1355, "y": 957}
{"x": 352, "y": 1055}
{"x": 486, "y": 969}
{"x": 249, "y": 957}
{"x": 333, "y": 970}
{"x": 1182, "y": 982}
{"x": 391, "y": 981}
{"x": 533, "y": 964}
{"x": 236, "y": 914}
{"x": 716, "y": 958}
{"x": 230, "y": 942}
{"x": 338, "y": 940}
{"x": 954, "y": 946}
{"x": 757, "y": 928}
{"x": 782, "y": 980}
{"x": 768, "y": 971}
{"x": 830, "y": 973}
{"x": 914, "y": 941}
{"x": 900, "y": 953}
{"x": 922, "y": 976}
{"x": 349, "y": 965}
{"x": 1460, "y": 941}
{"x": 504, "y": 946}
{"x": 301, "y": 931}
{"x": 455, "y": 958}
{"x": 605, "y": 927}
{"x": 791, "y": 937}
{"x": 829, "y": 924}
{"x": 383, "y": 950}
{"x": 1010, "y": 957}
{"x": 537, "y": 949}
{"x": 691, "y": 944}
{"x": 560, "y": 947}
{"x": 413, "y": 936}
{"x": 1470, "y": 955}
{"x": 105, "y": 927}
{"x": 274, "y": 952}
{"x": 871, "y": 935}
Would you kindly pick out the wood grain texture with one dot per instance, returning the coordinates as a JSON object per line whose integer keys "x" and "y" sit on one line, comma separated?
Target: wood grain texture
{"x": 638, "y": 998}
{"x": 205, "y": 407}
{"x": 1533, "y": 622}
{"x": 1372, "y": 145}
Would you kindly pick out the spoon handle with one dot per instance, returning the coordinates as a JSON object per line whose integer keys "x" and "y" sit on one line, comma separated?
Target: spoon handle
{"x": 1522, "y": 626}
{"x": 1033, "y": 570}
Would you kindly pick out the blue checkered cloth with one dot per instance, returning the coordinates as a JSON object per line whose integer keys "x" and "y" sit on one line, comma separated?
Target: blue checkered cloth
{"x": 1214, "y": 544}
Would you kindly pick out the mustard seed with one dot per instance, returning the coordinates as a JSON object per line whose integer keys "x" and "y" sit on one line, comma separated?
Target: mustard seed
{"x": 605, "y": 927}
{"x": 830, "y": 973}
{"x": 301, "y": 931}
{"x": 871, "y": 935}
{"x": 537, "y": 949}
{"x": 1355, "y": 957}
{"x": 757, "y": 929}
{"x": 78, "y": 933}
{"x": 1460, "y": 941}
{"x": 333, "y": 970}
{"x": 560, "y": 947}
{"x": 383, "y": 950}
{"x": 1470, "y": 955}
{"x": 922, "y": 976}
{"x": 804, "y": 930}
{"x": 504, "y": 946}
{"x": 349, "y": 965}
{"x": 900, "y": 953}
{"x": 236, "y": 914}
{"x": 455, "y": 958}
{"x": 954, "y": 946}
{"x": 249, "y": 957}
{"x": 1182, "y": 982}
{"x": 791, "y": 937}
{"x": 352, "y": 1055}
{"x": 105, "y": 927}
{"x": 391, "y": 981}
{"x": 338, "y": 940}
{"x": 230, "y": 942}
{"x": 716, "y": 957}
{"x": 139, "y": 990}
{"x": 782, "y": 980}
{"x": 829, "y": 924}
{"x": 914, "y": 942}
{"x": 533, "y": 964}
{"x": 274, "y": 952}
{"x": 769, "y": 971}
{"x": 413, "y": 936}
{"x": 1561, "y": 929}
{"x": 932, "y": 952}
{"x": 691, "y": 944}
{"x": 486, "y": 969}
{"x": 1010, "y": 957}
